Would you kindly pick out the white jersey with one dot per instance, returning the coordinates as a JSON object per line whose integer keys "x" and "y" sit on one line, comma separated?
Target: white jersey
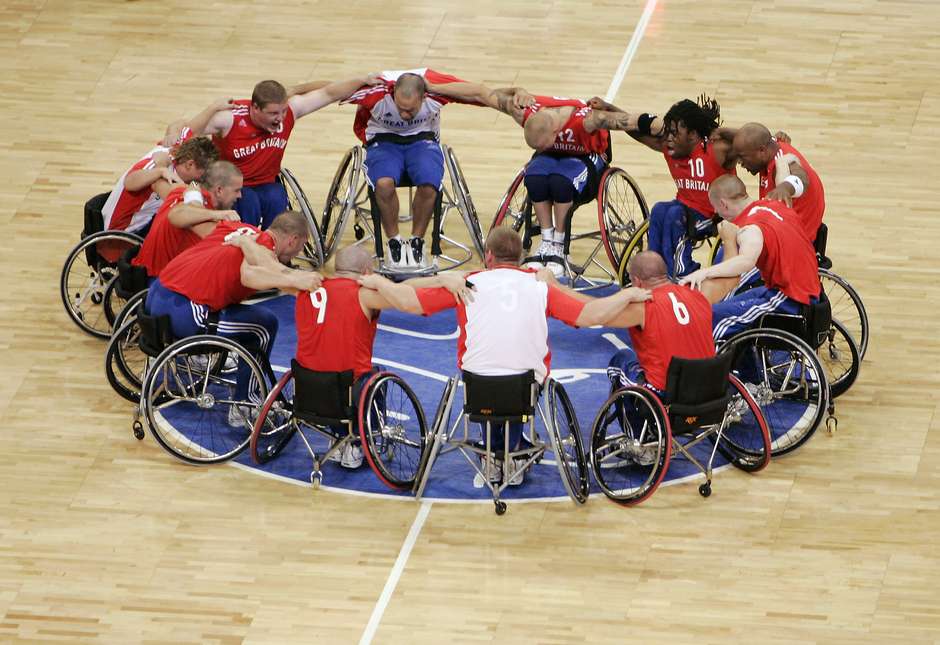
{"x": 132, "y": 211}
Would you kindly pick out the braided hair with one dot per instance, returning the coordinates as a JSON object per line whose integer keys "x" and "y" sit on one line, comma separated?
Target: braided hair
{"x": 702, "y": 116}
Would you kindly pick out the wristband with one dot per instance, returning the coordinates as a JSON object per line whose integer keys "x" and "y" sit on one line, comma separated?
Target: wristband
{"x": 797, "y": 184}
{"x": 644, "y": 123}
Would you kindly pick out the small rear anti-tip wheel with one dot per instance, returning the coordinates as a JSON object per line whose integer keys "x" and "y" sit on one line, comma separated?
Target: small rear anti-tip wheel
{"x": 315, "y": 478}
{"x": 705, "y": 490}
{"x": 500, "y": 508}
{"x": 138, "y": 431}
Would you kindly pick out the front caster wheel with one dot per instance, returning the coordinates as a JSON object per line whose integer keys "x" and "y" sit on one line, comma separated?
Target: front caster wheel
{"x": 500, "y": 508}
{"x": 705, "y": 490}
{"x": 138, "y": 431}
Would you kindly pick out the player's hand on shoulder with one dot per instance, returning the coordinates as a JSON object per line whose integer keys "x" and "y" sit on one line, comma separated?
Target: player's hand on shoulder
{"x": 545, "y": 275}
{"x": 727, "y": 230}
{"x": 223, "y": 103}
{"x": 782, "y": 137}
{"x": 309, "y": 280}
{"x": 375, "y": 78}
{"x": 227, "y": 216}
{"x": 170, "y": 175}
{"x": 695, "y": 279}
{"x": 456, "y": 283}
{"x": 636, "y": 294}
{"x": 239, "y": 238}
{"x": 597, "y": 103}
{"x": 371, "y": 281}
{"x": 781, "y": 194}
{"x": 522, "y": 99}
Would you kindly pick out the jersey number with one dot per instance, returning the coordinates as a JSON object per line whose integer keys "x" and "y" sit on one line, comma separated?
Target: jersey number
{"x": 566, "y": 136}
{"x": 680, "y": 310}
{"x": 697, "y": 167}
{"x": 318, "y": 300}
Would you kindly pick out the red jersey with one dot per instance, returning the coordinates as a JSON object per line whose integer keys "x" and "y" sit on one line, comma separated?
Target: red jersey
{"x": 787, "y": 262}
{"x": 504, "y": 330}
{"x": 165, "y": 241}
{"x": 572, "y": 139}
{"x": 333, "y": 333}
{"x": 811, "y": 205}
{"x": 128, "y": 210}
{"x": 253, "y": 150}
{"x": 378, "y": 114}
{"x": 694, "y": 175}
{"x": 677, "y": 322}
{"x": 209, "y": 273}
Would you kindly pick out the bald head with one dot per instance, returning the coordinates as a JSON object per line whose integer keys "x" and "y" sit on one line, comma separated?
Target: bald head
{"x": 539, "y": 130}
{"x": 221, "y": 173}
{"x": 728, "y": 195}
{"x": 647, "y": 267}
{"x": 754, "y": 147}
{"x": 410, "y": 85}
{"x": 353, "y": 259}
{"x": 505, "y": 245}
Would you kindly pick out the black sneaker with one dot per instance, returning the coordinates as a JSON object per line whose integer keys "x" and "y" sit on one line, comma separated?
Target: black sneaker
{"x": 417, "y": 251}
{"x": 394, "y": 252}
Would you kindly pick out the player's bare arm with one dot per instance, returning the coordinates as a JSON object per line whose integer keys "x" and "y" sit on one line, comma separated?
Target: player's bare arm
{"x": 303, "y": 104}
{"x": 189, "y": 215}
{"x": 399, "y": 296}
{"x": 290, "y": 280}
{"x": 601, "y": 311}
{"x": 750, "y": 242}
{"x": 789, "y": 178}
{"x": 199, "y": 124}
{"x": 646, "y": 129}
{"x": 601, "y": 120}
{"x": 255, "y": 254}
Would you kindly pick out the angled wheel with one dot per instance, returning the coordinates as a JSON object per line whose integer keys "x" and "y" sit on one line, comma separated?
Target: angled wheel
{"x": 392, "y": 429}
{"x": 465, "y": 203}
{"x": 188, "y": 397}
{"x": 630, "y": 445}
{"x": 840, "y": 358}
{"x": 129, "y": 310}
{"x": 112, "y": 302}
{"x": 621, "y": 209}
{"x": 515, "y": 209}
{"x": 275, "y": 425}
{"x": 86, "y": 274}
{"x": 341, "y": 200}
{"x": 637, "y": 244}
{"x": 847, "y": 308}
{"x": 312, "y": 253}
{"x": 567, "y": 444}
{"x": 786, "y": 380}
{"x": 124, "y": 362}
{"x": 745, "y": 441}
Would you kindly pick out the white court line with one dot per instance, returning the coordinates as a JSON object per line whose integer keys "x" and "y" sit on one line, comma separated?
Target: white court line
{"x": 631, "y": 50}
{"x": 393, "y": 577}
{"x": 426, "y": 506}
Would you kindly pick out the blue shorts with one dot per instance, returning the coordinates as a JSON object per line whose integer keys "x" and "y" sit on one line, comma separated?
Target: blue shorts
{"x": 743, "y": 311}
{"x": 668, "y": 235}
{"x": 422, "y": 161}
{"x": 260, "y": 204}
{"x": 572, "y": 168}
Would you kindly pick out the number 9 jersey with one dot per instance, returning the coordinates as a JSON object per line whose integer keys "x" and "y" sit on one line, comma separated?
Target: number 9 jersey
{"x": 677, "y": 322}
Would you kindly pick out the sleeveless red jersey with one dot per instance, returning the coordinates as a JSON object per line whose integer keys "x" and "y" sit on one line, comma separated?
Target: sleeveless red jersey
{"x": 811, "y": 205}
{"x": 694, "y": 175}
{"x": 165, "y": 241}
{"x": 209, "y": 273}
{"x": 572, "y": 139}
{"x": 333, "y": 333}
{"x": 787, "y": 261}
{"x": 254, "y": 151}
{"x": 677, "y": 322}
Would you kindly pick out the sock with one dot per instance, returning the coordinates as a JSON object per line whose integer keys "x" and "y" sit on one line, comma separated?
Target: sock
{"x": 548, "y": 234}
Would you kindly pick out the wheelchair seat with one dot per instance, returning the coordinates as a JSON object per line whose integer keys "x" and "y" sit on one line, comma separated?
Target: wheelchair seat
{"x": 131, "y": 279}
{"x": 811, "y": 325}
{"x": 697, "y": 391}
{"x": 323, "y": 398}
{"x": 94, "y": 219}
{"x": 499, "y": 399}
{"x": 155, "y": 332}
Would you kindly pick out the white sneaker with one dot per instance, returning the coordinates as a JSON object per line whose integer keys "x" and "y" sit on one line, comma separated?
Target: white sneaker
{"x": 492, "y": 469}
{"x": 546, "y": 248}
{"x": 241, "y": 416}
{"x": 397, "y": 254}
{"x": 519, "y": 475}
{"x": 416, "y": 253}
{"x": 350, "y": 457}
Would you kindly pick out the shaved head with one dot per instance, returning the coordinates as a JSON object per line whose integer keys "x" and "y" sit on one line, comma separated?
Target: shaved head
{"x": 647, "y": 266}
{"x": 539, "y": 130}
{"x": 754, "y": 147}
{"x": 726, "y": 187}
{"x": 353, "y": 259}
{"x": 409, "y": 85}
{"x": 752, "y": 135}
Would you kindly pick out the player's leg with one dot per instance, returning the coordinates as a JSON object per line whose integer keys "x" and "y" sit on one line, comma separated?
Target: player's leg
{"x": 624, "y": 369}
{"x": 254, "y": 327}
{"x": 743, "y": 311}
{"x": 424, "y": 162}
{"x": 248, "y": 206}
{"x": 186, "y": 318}
{"x": 667, "y": 231}
{"x": 538, "y": 186}
{"x": 384, "y": 165}
{"x": 273, "y": 201}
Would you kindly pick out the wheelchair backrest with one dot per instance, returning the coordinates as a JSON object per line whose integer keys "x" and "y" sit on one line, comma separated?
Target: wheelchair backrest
{"x": 323, "y": 398}
{"x": 822, "y": 236}
{"x": 94, "y": 220}
{"x": 156, "y": 333}
{"x": 697, "y": 390}
{"x": 131, "y": 279}
{"x": 499, "y": 398}
{"x": 811, "y": 325}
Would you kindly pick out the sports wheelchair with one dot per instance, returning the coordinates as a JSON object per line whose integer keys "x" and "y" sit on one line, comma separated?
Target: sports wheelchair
{"x": 312, "y": 254}
{"x": 188, "y": 392}
{"x": 86, "y": 281}
{"x": 621, "y": 210}
{"x": 386, "y": 417}
{"x": 124, "y": 362}
{"x": 636, "y": 434}
{"x": 351, "y": 197}
{"x": 494, "y": 402}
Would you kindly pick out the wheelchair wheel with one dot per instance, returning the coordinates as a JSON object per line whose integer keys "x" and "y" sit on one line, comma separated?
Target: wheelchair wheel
{"x": 784, "y": 376}
{"x": 567, "y": 445}
{"x": 713, "y": 253}
{"x": 86, "y": 275}
{"x": 462, "y": 194}
{"x": 637, "y": 244}
{"x": 188, "y": 398}
{"x": 840, "y": 359}
{"x": 341, "y": 200}
{"x": 112, "y": 303}
{"x": 392, "y": 429}
{"x": 515, "y": 209}
{"x": 297, "y": 201}
{"x": 847, "y": 308}
{"x": 124, "y": 362}
{"x": 630, "y": 445}
{"x": 621, "y": 209}
{"x": 745, "y": 441}
{"x": 129, "y": 310}
{"x": 275, "y": 425}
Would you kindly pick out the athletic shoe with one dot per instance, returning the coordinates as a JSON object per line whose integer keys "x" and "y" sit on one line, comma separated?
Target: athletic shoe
{"x": 396, "y": 254}
{"x": 519, "y": 474}
{"x": 546, "y": 248}
{"x": 493, "y": 470}
{"x": 350, "y": 457}
{"x": 241, "y": 416}
{"x": 416, "y": 246}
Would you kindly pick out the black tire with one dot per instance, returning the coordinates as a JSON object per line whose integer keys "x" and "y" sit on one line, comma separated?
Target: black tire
{"x": 129, "y": 310}
{"x": 847, "y": 308}
{"x": 187, "y": 384}
{"x": 515, "y": 209}
{"x": 393, "y": 430}
{"x": 621, "y": 209}
{"x": 637, "y": 244}
{"x": 786, "y": 379}
{"x": 276, "y": 425}
{"x": 745, "y": 441}
{"x": 840, "y": 359}
{"x": 312, "y": 253}
{"x": 112, "y": 303}
{"x": 567, "y": 444}
{"x": 341, "y": 201}
{"x": 85, "y": 278}
{"x": 630, "y": 445}
{"x": 465, "y": 203}
{"x": 124, "y": 362}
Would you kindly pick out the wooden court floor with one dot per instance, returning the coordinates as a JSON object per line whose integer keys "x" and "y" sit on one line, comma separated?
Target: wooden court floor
{"x": 105, "y": 539}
